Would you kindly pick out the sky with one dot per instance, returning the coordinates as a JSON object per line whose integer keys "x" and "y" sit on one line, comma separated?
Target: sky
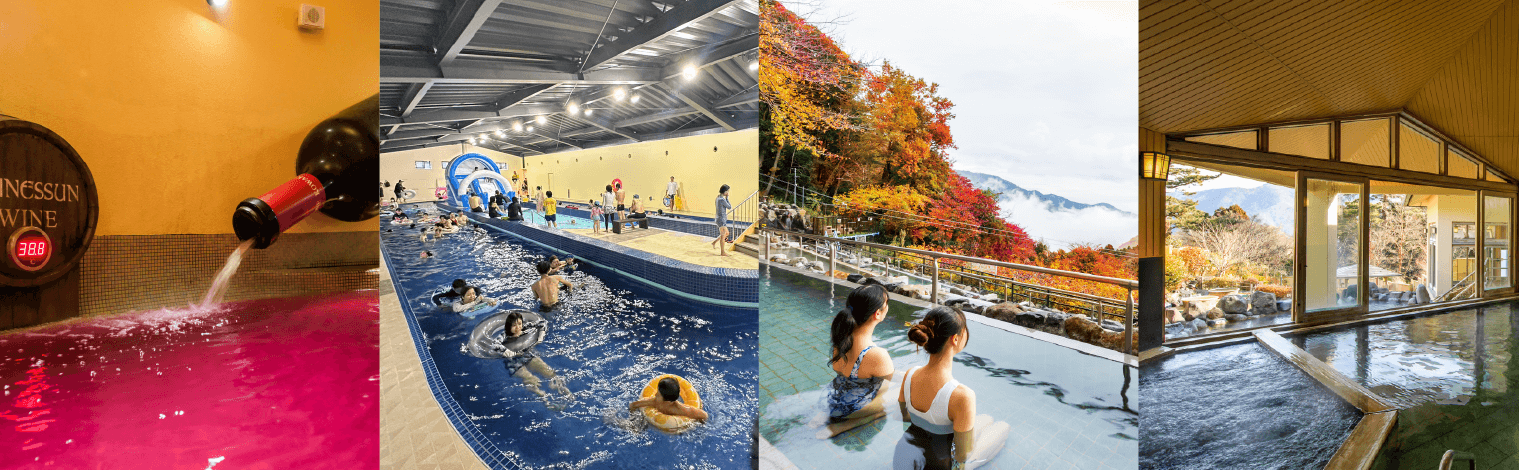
{"x": 1045, "y": 93}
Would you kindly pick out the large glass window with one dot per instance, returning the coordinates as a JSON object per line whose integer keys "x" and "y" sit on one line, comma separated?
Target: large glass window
{"x": 1333, "y": 226}
{"x": 1495, "y": 235}
{"x": 1229, "y": 247}
{"x": 1460, "y": 166}
{"x": 1420, "y": 244}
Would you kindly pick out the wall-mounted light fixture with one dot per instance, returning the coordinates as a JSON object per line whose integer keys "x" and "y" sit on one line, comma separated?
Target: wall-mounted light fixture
{"x": 1154, "y": 165}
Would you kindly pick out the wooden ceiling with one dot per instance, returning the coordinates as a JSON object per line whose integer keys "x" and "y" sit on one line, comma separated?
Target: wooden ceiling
{"x": 1217, "y": 63}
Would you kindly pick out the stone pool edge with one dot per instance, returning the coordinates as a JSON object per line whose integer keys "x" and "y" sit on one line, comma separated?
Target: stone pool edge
{"x": 1081, "y": 347}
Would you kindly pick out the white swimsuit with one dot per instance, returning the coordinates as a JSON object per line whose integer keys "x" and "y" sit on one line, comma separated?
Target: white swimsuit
{"x": 936, "y": 419}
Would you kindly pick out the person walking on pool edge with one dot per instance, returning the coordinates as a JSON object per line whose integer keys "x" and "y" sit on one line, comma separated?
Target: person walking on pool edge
{"x": 608, "y": 203}
{"x": 550, "y": 210}
{"x": 670, "y": 190}
{"x": 722, "y": 221}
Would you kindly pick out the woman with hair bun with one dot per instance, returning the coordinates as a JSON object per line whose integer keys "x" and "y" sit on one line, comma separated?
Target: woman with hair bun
{"x": 940, "y": 406}
{"x": 855, "y": 398}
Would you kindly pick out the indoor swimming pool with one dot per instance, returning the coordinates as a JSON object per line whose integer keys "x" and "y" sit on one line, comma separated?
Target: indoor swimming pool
{"x": 1062, "y": 405}
{"x": 281, "y": 383}
{"x": 607, "y": 339}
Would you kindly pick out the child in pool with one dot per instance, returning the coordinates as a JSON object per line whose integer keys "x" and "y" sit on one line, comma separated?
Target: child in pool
{"x": 523, "y": 364}
{"x": 855, "y": 396}
{"x": 546, "y": 289}
{"x": 667, "y": 401}
{"x": 471, "y": 300}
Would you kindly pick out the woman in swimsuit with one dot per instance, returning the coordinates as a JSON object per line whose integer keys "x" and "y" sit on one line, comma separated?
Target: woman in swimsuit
{"x": 855, "y": 396}
{"x": 939, "y": 406}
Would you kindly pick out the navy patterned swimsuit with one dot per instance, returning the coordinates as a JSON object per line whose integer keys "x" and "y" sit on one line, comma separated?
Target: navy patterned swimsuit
{"x": 852, "y": 393}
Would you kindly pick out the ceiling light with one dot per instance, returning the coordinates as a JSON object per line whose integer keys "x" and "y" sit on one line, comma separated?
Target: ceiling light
{"x": 573, "y": 109}
{"x": 529, "y": 128}
{"x": 588, "y": 111}
{"x": 689, "y": 72}
{"x": 541, "y": 120}
{"x": 635, "y": 98}
{"x": 620, "y": 94}
{"x": 500, "y": 133}
{"x": 517, "y": 126}
{"x": 754, "y": 66}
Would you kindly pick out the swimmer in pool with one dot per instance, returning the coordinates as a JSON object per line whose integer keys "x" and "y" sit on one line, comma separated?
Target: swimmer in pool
{"x": 426, "y": 255}
{"x": 453, "y": 293}
{"x": 471, "y": 299}
{"x": 856, "y": 395}
{"x": 939, "y": 406}
{"x": 546, "y": 289}
{"x": 523, "y": 364}
{"x": 556, "y": 265}
{"x": 667, "y": 401}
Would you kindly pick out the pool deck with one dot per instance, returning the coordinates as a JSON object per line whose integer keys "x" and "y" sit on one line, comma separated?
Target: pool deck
{"x": 680, "y": 246}
{"x": 414, "y": 432}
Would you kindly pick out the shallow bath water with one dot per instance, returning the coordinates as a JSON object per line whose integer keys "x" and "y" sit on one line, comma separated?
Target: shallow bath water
{"x": 1237, "y": 406}
{"x": 610, "y": 336}
{"x": 281, "y": 383}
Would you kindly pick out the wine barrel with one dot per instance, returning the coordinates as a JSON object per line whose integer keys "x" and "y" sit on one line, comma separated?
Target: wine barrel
{"x": 48, "y": 204}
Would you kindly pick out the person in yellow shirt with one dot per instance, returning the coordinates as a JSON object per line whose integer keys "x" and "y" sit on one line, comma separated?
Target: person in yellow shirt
{"x": 550, "y": 209}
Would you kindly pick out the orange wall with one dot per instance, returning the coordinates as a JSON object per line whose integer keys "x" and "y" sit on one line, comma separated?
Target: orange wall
{"x": 181, "y": 113}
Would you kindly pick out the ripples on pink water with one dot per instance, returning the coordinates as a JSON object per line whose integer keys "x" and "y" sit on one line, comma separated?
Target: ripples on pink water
{"x": 282, "y": 383}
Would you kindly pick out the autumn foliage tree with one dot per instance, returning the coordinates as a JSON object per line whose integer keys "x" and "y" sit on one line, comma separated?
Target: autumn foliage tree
{"x": 871, "y": 146}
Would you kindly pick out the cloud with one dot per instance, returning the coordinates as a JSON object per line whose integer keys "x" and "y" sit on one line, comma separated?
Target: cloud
{"x": 1061, "y": 229}
{"x": 1045, "y": 92}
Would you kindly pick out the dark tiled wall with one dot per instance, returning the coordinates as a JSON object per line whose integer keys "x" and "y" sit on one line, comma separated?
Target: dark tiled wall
{"x": 122, "y": 273}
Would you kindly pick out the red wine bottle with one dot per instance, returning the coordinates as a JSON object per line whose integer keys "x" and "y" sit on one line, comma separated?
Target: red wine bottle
{"x": 336, "y": 168}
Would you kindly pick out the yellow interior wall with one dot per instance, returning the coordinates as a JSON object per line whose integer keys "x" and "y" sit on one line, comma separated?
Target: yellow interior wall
{"x": 402, "y": 166}
{"x": 581, "y": 175}
{"x": 180, "y": 111}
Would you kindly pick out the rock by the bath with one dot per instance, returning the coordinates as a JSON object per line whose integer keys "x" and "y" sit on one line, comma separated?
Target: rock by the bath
{"x": 956, "y": 290}
{"x": 991, "y": 297}
{"x": 1199, "y": 307}
{"x": 1003, "y": 311}
{"x": 917, "y": 292}
{"x": 855, "y": 278}
{"x": 1052, "y": 318}
{"x": 1218, "y": 323}
{"x": 1174, "y": 316}
{"x": 779, "y": 258}
{"x": 1215, "y": 314}
{"x": 1111, "y": 325}
{"x": 1284, "y": 305}
{"x": 1234, "y": 304}
{"x": 1080, "y": 328}
{"x": 1232, "y": 317}
{"x": 1262, "y": 303}
{"x": 1199, "y": 324}
{"x": 1030, "y": 318}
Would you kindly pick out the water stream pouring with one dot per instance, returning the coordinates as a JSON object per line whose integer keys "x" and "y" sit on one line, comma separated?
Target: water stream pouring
{"x": 337, "y": 166}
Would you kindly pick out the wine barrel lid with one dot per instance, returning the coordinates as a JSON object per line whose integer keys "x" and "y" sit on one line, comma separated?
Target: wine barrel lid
{"x": 48, "y": 204}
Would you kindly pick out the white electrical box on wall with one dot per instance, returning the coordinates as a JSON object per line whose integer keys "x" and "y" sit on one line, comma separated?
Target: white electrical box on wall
{"x": 313, "y": 17}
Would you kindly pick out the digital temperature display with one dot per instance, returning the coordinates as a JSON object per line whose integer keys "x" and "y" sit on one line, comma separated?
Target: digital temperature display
{"x": 31, "y": 248}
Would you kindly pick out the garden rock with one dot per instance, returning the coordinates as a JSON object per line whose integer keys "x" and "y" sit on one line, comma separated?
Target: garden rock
{"x": 1262, "y": 303}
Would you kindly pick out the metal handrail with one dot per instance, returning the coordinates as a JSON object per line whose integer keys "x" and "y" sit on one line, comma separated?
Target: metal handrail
{"x": 1129, "y": 285}
{"x": 1452, "y": 456}
{"x": 733, "y": 213}
{"x": 1460, "y": 288}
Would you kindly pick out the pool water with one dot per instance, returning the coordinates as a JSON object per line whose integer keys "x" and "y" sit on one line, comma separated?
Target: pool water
{"x": 609, "y": 337}
{"x": 282, "y": 383}
{"x": 1237, "y": 406}
{"x": 1448, "y": 374}
{"x": 1062, "y": 406}
{"x": 562, "y": 220}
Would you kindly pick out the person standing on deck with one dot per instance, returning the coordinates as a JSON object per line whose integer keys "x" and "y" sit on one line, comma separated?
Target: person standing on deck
{"x": 722, "y": 221}
{"x": 670, "y": 189}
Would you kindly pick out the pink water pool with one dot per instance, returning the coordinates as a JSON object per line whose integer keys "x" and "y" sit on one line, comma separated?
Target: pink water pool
{"x": 283, "y": 383}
